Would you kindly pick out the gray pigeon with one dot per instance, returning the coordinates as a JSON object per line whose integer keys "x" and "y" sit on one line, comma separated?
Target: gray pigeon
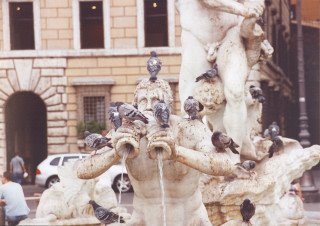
{"x": 104, "y": 215}
{"x": 115, "y": 117}
{"x": 221, "y": 141}
{"x": 191, "y": 106}
{"x": 153, "y": 66}
{"x": 130, "y": 113}
{"x": 247, "y": 210}
{"x": 256, "y": 93}
{"x": 209, "y": 74}
{"x": 96, "y": 141}
{"x": 247, "y": 164}
{"x": 276, "y": 145}
{"x": 161, "y": 113}
{"x": 272, "y": 131}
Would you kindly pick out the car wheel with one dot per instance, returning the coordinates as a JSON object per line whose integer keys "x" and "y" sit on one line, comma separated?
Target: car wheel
{"x": 124, "y": 186}
{"x": 52, "y": 180}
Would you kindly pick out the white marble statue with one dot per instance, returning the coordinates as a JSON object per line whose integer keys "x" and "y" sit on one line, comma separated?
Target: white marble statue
{"x": 67, "y": 202}
{"x": 187, "y": 152}
{"x": 225, "y": 33}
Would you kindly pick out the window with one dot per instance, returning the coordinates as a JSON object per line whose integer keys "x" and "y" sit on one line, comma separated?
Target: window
{"x": 55, "y": 161}
{"x": 156, "y": 23}
{"x": 21, "y": 25}
{"x": 94, "y": 109}
{"x": 66, "y": 159}
{"x": 91, "y": 25}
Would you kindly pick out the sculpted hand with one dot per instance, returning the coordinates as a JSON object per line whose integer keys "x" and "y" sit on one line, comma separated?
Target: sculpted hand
{"x": 253, "y": 8}
{"x": 161, "y": 141}
{"x": 126, "y": 139}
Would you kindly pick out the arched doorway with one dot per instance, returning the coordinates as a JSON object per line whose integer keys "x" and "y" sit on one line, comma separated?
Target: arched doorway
{"x": 26, "y": 129}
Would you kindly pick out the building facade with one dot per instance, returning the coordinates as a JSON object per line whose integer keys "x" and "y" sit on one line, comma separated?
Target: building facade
{"x": 63, "y": 61}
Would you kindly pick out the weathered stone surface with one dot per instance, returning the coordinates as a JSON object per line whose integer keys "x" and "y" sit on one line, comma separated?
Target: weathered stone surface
{"x": 50, "y": 63}
{"x": 59, "y": 81}
{"x": 24, "y": 72}
{"x": 57, "y": 132}
{"x": 61, "y": 89}
{"x": 6, "y": 64}
{"x": 53, "y": 100}
{"x": 57, "y": 116}
{"x": 49, "y": 92}
{"x": 56, "y": 140}
{"x": 56, "y": 149}
{"x": 3, "y": 96}
{"x": 58, "y": 123}
{"x": 34, "y": 79}
{"x": 52, "y": 72}
{"x": 58, "y": 107}
{"x": 6, "y": 87}
{"x": 44, "y": 84}
{"x": 3, "y": 73}
{"x": 12, "y": 76}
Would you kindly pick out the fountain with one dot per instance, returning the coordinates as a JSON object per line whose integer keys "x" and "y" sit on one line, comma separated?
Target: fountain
{"x": 165, "y": 164}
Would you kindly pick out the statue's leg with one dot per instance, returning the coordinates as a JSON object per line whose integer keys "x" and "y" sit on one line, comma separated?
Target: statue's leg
{"x": 194, "y": 63}
{"x": 233, "y": 70}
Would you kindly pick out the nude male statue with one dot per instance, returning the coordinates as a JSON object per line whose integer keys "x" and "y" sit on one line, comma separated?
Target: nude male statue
{"x": 217, "y": 23}
{"x": 188, "y": 153}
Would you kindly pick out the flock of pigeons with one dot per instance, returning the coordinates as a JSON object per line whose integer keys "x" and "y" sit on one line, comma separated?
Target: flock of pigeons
{"x": 119, "y": 111}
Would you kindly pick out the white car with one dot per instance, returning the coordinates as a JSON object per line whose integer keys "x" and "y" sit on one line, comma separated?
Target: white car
{"x": 47, "y": 172}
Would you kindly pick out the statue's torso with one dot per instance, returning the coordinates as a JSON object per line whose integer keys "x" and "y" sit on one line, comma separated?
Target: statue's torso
{"x": 201, "y": 20}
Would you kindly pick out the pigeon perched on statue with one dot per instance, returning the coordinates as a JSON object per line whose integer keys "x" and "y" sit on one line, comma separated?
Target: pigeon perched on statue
{"x": 192, "y": 107}
{"x": 114, "y": 117}
{"x": 272, "y": 131}
{"x": 247, "y": 210}
{"x": 153, "y": 66}
{"x": 130, "y": 113}
{"x": 256, "y": 93}
{"x": 96, "y": 141}
{"x": 276, "y": 146}
{"x": 247, "y": 164}
{"x": 221, "y": 141}
{"x": 104, "y": 215}
{"x": 161, "y": 113}
{"x": 209, "y": 74}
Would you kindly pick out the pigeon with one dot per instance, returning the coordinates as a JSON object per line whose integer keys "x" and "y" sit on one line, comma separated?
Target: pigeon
{"x": 153, "y": 66}
{"x": 209, "y": 74}
{"x": 105, "y": 216}
{"x": 276, "y": 145}
{"x": 256, "y": 93}
{"x": 192, "y": 107}
{"x": 247, "y": 164}
{"x": 96, "y": 141}
{"x": 247, "y": 210}
{"x": 130, "y": 113}
{"x": 272, "y": 131}
{"x": 115, "y": 117}
{"x": 161, "y": 113}
{"x": 221, "y": 141}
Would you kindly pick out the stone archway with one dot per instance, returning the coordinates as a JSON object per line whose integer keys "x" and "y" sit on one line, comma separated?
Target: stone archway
{"x": 26, "y": 129}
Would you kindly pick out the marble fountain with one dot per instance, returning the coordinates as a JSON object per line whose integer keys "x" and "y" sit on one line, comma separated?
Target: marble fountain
{"x": 179, "y": 177}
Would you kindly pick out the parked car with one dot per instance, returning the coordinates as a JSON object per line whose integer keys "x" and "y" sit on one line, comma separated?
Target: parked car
{"x": 47, "y": 172}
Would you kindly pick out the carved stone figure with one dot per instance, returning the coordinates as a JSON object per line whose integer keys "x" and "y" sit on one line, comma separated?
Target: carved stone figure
{"x": 187, "y": 151}
{"x": 67, "y": 202}
{"x": 223, "y": 33}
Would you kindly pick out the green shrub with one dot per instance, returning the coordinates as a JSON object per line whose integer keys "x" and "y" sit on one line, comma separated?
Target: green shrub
{"x": 92, "y": 127}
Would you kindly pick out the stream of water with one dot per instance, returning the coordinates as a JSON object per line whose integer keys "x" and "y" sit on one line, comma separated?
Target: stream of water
{"x": 123, "y": 164}
{"x": 160, "y": 166}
